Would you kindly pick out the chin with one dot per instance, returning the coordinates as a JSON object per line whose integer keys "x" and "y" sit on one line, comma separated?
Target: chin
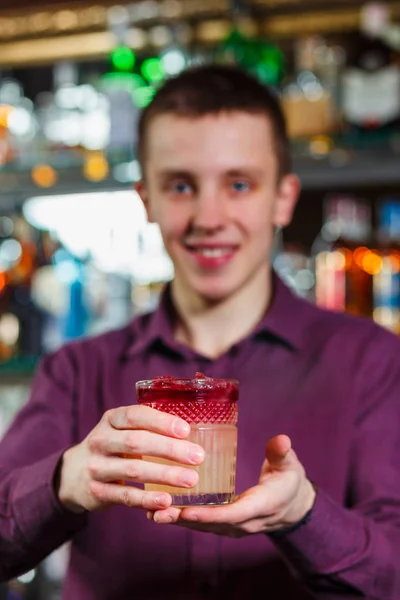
{"x": 215, "y": 294}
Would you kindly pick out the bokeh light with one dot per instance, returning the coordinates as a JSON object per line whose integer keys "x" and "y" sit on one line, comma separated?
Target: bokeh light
{"x": 44, "y": 175}
{"x": 9, "y": 329}
{"x": 123, "y": 58}
{"x": 152, "y": 69}
{"x": 5, "y": 112}
{"x": 96, "y": 167}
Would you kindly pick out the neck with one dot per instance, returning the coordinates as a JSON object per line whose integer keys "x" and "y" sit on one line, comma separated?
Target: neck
{"x": 211, "y": 328}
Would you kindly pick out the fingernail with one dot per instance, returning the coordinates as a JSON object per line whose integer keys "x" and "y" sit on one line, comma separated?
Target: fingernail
{"x": 189, "y": 479}
{"x": 161, "y": 501}
{"x": 180, "y": 428}
{"x": 196, "y": 455}
{"x": 162, "y": 520}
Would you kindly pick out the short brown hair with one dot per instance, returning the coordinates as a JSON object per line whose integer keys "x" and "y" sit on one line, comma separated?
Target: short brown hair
{"x": 208, "y": 89}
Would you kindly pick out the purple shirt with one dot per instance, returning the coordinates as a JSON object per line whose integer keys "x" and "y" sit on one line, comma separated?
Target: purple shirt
{"x": 329, "y": 381}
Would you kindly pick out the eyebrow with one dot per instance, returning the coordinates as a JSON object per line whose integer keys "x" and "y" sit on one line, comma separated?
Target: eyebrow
{"x": 167, "y": 174}
{"x": 253, "y": 172}
{"x": 175, "y": 174}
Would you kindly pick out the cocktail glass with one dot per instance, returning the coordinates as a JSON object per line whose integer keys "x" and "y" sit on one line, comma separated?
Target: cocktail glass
{"x": 209, "y": 405}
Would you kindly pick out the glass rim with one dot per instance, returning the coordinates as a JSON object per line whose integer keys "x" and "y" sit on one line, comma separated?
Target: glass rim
{"x": 188, "y": 381}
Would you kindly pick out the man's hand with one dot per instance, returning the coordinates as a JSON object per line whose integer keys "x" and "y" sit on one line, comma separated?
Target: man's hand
{"x": 93, "y": 474}
{"x": 281, "y": 498}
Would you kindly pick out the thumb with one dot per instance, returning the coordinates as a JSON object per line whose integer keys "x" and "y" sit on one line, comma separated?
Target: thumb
{"x": 279, "y": 452}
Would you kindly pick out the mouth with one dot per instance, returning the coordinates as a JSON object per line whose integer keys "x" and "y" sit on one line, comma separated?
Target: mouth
{"x": 211, "y": 256}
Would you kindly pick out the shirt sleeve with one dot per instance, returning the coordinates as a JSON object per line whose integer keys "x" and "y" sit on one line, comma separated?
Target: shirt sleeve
{"x": 32, "y": 521}
{"x": 357, "y": 547}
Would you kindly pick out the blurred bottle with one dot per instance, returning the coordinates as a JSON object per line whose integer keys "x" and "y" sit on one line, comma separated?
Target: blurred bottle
{"x": 310, "y": 98}
{"x": 292, "y": 263}
{"x": 343, "y": 262}
{"x": 21, "y": 272}
{"x": 12, "y": 276}
{"x": 20, "y": 320}
{"x": 7, "y": 153}
{"x": 18, "y": 125}
{"x": 371, "y": 80}
{"x": 20, "y": 278}
{"x": 77, "y": 317}
{"x": 245, "y": 47}
{"x": 387, "y": 279}
{"x": 72, "y": 116}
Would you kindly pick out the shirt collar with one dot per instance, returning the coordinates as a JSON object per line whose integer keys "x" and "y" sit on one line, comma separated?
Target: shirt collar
{"x": 287, "y": 316}
{"x": 285, "y": 320}
{"x": 156, "y": 326}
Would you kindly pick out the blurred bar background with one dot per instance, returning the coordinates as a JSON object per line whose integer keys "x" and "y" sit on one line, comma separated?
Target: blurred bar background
{"x": 77, "y": 256}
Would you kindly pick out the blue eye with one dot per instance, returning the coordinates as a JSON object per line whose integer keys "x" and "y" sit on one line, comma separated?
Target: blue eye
{"x": 240, "y": 186}
{"x": 181, "y": 188}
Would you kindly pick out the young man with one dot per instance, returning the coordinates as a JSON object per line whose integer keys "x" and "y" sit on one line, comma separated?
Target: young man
{"x": 318, "y": 473}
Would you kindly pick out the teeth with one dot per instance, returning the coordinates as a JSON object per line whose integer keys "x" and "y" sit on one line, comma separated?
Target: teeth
{"x": 212, "y": 252}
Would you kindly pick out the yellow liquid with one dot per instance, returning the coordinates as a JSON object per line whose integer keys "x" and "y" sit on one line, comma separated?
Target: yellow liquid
{"x": 216, "y": 483}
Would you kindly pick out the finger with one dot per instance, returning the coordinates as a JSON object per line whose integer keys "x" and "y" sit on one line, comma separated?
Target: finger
{"x": 114, "y": 494}
{"x": 243, "y": 508}
{"x": 234, "y": 513}
{"x": 144, "y": 417}
{"x": 167, "y": 515}
{"x": 147, "y": 443}
{"x": 111, "y": 469}
{"x": 279, "y": 452}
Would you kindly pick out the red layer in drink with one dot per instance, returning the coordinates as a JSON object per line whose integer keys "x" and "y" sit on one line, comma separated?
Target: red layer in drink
{"x": 165, "y": 389}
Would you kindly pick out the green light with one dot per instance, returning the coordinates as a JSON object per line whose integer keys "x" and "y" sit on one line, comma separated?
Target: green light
{"x": 125, "y": 81}
{"x": 152, "y": 69}
{"x": 142, "y": 96}
{"x": 123, "y": 58}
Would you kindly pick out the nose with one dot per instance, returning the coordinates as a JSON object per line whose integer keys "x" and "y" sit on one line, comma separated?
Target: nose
{"x": 210, "y": 211}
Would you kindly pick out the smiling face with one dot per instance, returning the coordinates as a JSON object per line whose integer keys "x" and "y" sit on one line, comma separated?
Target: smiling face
{"x": 211, "y": 184}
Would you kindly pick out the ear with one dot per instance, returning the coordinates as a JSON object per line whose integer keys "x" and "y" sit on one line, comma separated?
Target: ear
{"x": 288, "y": 194}
{"x": 141, "y": 190}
